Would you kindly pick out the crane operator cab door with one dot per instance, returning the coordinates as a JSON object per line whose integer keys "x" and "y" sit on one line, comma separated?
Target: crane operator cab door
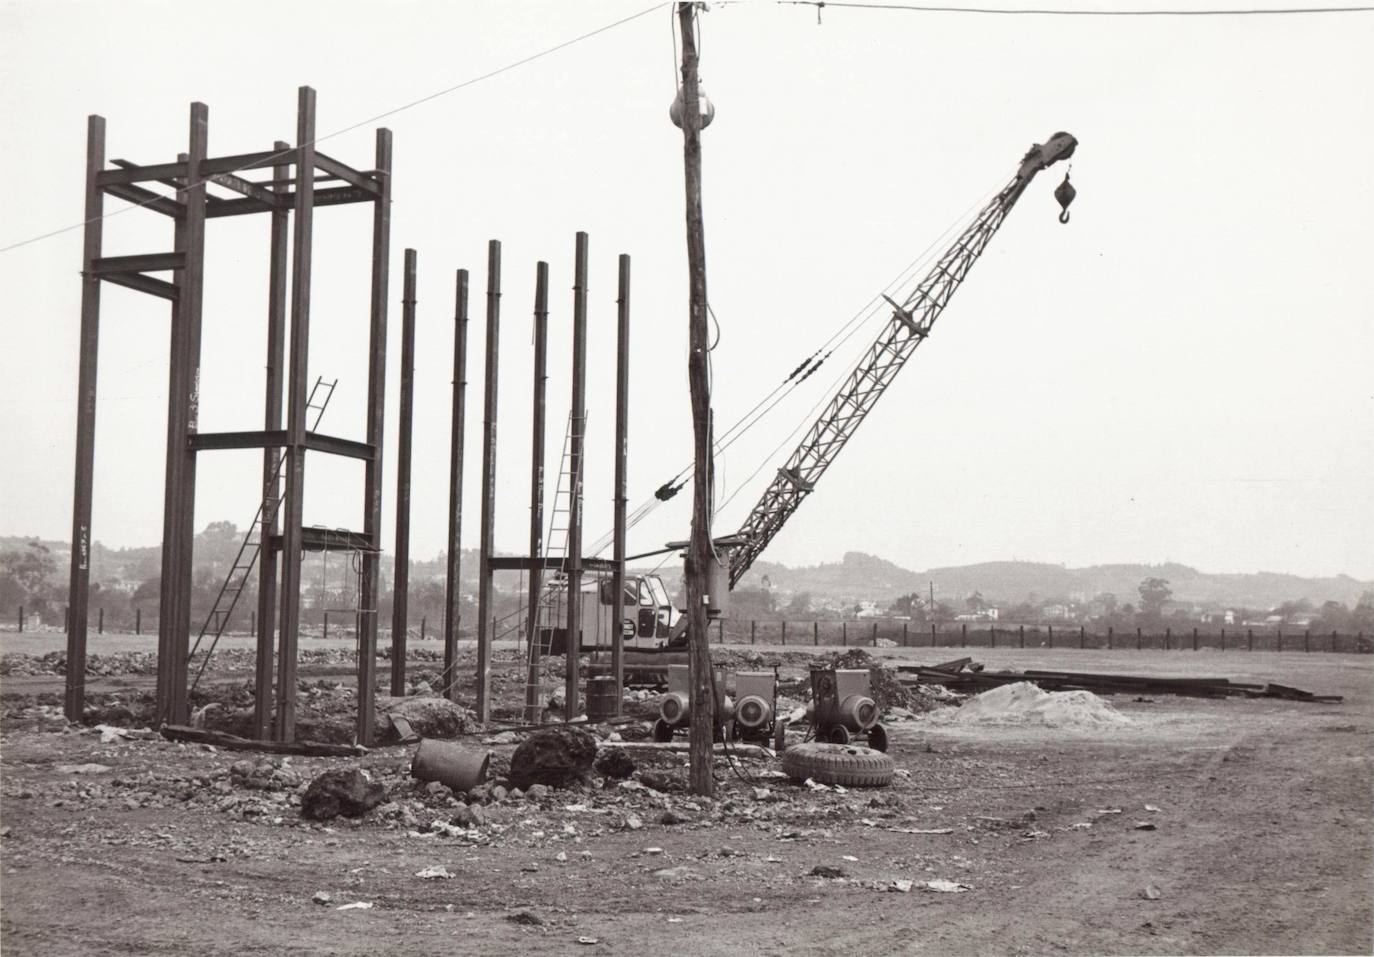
{"x": 648, "y": 611}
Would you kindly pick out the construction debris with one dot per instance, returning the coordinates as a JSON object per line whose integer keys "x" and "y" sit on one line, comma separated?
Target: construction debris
{"x": 349, "y": 792}
{"x": 557, "y": 757}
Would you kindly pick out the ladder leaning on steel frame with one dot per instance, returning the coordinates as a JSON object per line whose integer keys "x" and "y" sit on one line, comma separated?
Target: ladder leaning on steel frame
{"x": 539, "y": 628}
{"x": 242, "y": 567}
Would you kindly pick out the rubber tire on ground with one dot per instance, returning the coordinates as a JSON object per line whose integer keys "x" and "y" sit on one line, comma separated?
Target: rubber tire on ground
{"x": 847, "y": 765}
{"x": 663, "y": 731}
{"x": 877, "y": 738}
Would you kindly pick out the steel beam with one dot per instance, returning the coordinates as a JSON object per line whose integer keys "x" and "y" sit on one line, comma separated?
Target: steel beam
{"x": 541, "y": 376}
{"x": 577, "y": 420}
{"x": 294, "y": 465}
{"x": 271, "y": 457}
{"x": 268, "y": 199}
{"x": 145, "y": 284}
{"x": 348, "y": 174}
{"x": 147, "y": 199}
{"x": 334, "y": 445}
{"x": 216, "y": 441}
{"x": 84, "y": 472}
{"x": 453, "y": 602}
{"x": 622, "y": 425}
{"x": 400, "y": 587}
{"x": 372, "y": 469}
{"x": 485, "y": 634}
{"x": 143, "y": 262}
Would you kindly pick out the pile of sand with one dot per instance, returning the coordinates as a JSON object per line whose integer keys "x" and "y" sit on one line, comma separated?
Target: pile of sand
{"x": 1023, "y": 703}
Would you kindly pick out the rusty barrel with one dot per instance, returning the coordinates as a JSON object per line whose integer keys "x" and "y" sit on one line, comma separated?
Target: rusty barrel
{"x": 602, "y": 698}
{"x": 461, "y": 769}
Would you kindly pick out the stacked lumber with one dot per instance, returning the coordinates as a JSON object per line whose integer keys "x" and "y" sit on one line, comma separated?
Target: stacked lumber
{"x": 965, "y": 675}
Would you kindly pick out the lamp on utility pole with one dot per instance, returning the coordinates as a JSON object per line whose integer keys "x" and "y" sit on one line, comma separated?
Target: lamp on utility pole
{"x": 688, "y": 113}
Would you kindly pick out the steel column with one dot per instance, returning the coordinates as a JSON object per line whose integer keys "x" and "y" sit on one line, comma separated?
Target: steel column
{"x": 188, "y": 315}
{"x": 577, "y": 415}
{"x": 622, "y": 426}
{"x": 537, "y": 430}
{"x": 372, "y": 470}
{"x": 486, "y": 629}
{"x": 452, "y": 578}
{"x": 400, "y": 585}
{"x": 271, "y": 483}
{"x": 84, "y": 478}
{"x": 294, "y": 464}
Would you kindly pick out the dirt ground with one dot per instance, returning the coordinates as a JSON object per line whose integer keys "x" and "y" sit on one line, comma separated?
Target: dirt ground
{"x": 1261, "y": 839}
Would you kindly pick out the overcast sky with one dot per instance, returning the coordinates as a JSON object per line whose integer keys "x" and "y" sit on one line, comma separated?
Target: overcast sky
{"x": 1185, "y": 372}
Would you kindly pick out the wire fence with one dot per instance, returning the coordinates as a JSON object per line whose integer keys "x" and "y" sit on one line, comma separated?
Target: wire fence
{"x": 889, "y": 633}
{"x": 860, "y": 633}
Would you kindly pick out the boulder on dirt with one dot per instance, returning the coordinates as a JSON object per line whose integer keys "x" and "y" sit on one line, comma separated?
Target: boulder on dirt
{"x": 341, "y": 791}
{"x": 557, "y": 757}
{"x": 614, "y": 763}
{"x": 428, "y": 716}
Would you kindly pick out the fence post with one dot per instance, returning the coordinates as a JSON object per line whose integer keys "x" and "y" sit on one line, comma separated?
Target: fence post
{"x": 1021, "y": 635}
{"x": 1082, "y": 638}
{"x": 963, "y": 636}
{"x": 753, "y": 630}
{"x": 100, "y": 628}
{"x": 1195, "y": 639}
{"x": 844, "y": 633}
{"x": 815, "y": 634}
{"x": 21, "y": 619}
{"x": 1250, "y": 639}
{"x": 1223, "y": 639}
{"x": 1137, "y": 638}
{"x": 1051, "y": 633}
{"x": 1168, "y": 634}
{"x": 932, "y": 634}
{"x": 784, "y": 632}
{"x": 1109, "y": 637}
{"x": 875, "y": 634}
{"x": 324, "y": 629}
{"x": 1306, "y": 639}
{"x": 992, "y": 637}
{"x": 1280, "y": 648}
{"x": 903, "y": 634}
{"x": 138, "y": 621}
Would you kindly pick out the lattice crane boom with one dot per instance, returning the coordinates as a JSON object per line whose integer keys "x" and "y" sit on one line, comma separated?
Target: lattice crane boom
{"x": 908, "y": 327}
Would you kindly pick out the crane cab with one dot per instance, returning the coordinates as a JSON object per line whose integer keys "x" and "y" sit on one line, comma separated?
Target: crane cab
{"x": 647, "y": 609}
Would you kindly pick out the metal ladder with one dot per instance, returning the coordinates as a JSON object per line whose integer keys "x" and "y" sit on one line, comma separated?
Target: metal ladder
{"x": 553, "y": 591}
{"x": 242, "y": 567}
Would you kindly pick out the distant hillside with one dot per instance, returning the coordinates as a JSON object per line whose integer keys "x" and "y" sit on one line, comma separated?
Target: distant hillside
{"x": 859, "y": 576}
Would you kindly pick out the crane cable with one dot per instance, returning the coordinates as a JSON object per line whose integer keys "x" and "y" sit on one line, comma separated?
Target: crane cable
{"x": 803, "y": 371}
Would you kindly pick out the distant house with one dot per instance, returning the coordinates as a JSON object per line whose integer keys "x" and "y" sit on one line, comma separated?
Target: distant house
{"x": 1055, "y": 611}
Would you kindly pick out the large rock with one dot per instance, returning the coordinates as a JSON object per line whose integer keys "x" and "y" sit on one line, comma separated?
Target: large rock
{"x": 428, "y": 716}
{"x": 342, "y": 791}
{"x": 557, "y": 757}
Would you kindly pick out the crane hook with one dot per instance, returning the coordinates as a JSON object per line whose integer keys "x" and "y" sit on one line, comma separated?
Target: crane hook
{"x": 1065, "y": 193}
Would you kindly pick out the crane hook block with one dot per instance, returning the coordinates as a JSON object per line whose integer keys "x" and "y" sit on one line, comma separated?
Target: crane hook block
{"x": 1065, "y": 193}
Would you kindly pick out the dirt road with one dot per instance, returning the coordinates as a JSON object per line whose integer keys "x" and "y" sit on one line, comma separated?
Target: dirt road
{"x": 1261, "y": 843}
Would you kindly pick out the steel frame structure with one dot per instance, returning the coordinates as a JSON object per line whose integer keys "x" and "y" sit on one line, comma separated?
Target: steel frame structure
{"x": 536, "y": 564}
{"x": 290, "y": 196}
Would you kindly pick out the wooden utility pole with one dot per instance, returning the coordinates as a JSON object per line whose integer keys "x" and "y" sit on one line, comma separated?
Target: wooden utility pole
{"x": 699, "y": 546}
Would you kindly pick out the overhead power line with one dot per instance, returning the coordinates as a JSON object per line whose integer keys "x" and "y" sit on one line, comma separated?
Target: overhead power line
{"x": 1062, "y": 12}
{"x": 471, "y": 81}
